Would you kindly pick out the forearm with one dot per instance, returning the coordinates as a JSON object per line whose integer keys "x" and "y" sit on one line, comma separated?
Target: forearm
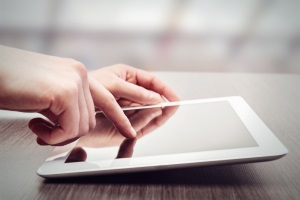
{"x": 15, "y": 71}
{"x": 6, "y": 69}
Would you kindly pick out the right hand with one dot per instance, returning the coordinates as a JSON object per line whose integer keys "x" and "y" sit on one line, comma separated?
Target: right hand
{"x": 58, "y": 88}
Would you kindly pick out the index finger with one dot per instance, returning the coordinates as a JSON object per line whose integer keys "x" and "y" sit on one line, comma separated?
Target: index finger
{"x": 111, "y": 109}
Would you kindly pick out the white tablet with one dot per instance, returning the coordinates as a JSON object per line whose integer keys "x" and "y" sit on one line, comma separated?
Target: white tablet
{"x": 170, "y": 135}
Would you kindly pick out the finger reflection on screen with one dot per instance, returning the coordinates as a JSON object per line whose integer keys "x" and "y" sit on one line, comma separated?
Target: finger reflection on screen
{"x": 126, "y": 148}
{"x": 144, "y": 121}
{"x": 77, "y": 154}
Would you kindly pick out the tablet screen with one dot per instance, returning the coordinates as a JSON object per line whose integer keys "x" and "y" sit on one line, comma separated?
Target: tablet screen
{"x": 164, "y": 131}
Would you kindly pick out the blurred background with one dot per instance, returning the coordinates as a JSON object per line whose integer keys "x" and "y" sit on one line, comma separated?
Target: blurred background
{"x": 260, "y": 36}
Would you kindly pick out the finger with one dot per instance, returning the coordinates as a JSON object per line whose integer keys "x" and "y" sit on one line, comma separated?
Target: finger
{"x": 84, "y": 114}
{"x": 90, "y": 105}
{"x": 151, "y": 82}
{"x": 68, "y": 121}
{"x": 136, "y": 93}
{"x": 106, "y": 101}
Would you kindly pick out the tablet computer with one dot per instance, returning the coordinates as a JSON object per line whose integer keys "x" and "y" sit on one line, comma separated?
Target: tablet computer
{"x": 169, "y": 135}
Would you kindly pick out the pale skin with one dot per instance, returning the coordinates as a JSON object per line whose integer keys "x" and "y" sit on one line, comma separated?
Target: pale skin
{"x": 63, "y": 91}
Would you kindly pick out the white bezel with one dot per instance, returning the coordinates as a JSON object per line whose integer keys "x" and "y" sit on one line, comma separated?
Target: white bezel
{"x": 269, "y": 148}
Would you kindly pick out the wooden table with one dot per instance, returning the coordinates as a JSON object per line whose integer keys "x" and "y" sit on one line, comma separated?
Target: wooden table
{"x": 275, "y": 98}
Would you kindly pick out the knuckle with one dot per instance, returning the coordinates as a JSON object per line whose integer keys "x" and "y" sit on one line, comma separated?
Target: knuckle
{"x": 77, "y": 67}
{"x": 80, "y": 69}
{"x": 84, "y": 129}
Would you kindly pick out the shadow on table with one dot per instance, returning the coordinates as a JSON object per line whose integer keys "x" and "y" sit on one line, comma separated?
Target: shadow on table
{"x": 215, "y": 175}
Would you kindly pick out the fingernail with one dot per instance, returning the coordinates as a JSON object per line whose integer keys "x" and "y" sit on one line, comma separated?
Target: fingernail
{"x": 133, "y": 133}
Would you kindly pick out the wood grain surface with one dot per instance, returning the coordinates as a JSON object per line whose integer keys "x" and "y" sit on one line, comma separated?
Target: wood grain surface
{"x": 275, "y": 98}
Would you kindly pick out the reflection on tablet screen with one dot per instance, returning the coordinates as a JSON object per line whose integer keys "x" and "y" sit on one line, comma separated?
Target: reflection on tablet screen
{"x": 171, "y": 130}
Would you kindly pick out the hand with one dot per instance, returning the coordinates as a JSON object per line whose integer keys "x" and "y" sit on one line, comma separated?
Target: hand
{"x": 58, "y": 88}
{"x": 121, "y": 85}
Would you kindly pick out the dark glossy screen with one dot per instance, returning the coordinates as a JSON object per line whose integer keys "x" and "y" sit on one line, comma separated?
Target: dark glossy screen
{"x": 171, "y": 130}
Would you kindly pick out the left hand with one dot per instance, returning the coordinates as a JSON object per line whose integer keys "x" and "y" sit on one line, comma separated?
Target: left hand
{"x": 121, "y": 85}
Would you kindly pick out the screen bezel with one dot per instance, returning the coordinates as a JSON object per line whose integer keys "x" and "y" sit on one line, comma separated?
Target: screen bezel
{"x": 269, "y": 147}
